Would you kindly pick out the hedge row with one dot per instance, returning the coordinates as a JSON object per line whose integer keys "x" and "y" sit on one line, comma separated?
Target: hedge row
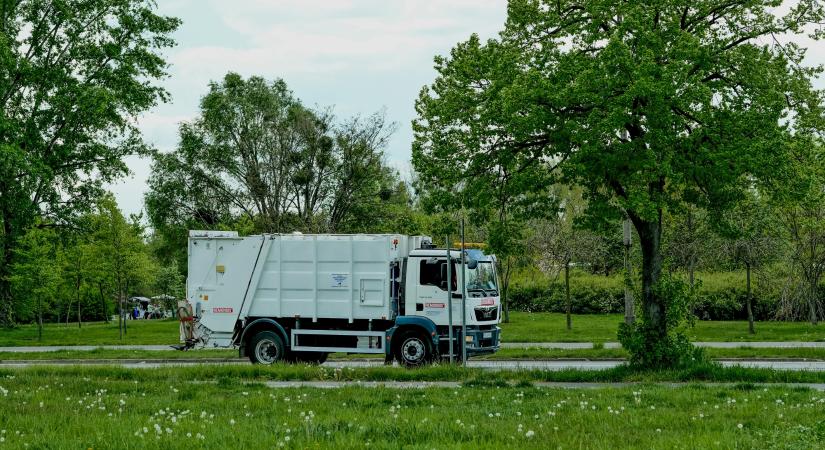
{"x": 719, "y": 300}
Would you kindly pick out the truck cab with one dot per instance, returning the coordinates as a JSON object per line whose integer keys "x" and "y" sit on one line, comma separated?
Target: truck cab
{"x": 427, "y": 291}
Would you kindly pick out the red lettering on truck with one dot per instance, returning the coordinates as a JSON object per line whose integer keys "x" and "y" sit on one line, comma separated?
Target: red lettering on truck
{"x": 221, "y": 310}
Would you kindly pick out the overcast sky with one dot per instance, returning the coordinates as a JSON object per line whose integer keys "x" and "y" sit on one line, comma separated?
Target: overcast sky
{"x": 357, "y": 55}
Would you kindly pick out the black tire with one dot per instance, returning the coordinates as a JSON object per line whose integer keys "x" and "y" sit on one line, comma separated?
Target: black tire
{"x": 308, "y": 357}
{"x": 266, "y": 347}
{"x": 413, "y": 349}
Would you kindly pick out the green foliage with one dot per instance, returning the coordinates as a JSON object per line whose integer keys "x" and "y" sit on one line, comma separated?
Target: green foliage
{"x": 73, "y": 77}
{"x": 649, "y": 347}
{"x": 257, "y": 160}
{"x": 719, "y": 295}
{"x": 36, "y": 274}
{"x": 647, "y": 107}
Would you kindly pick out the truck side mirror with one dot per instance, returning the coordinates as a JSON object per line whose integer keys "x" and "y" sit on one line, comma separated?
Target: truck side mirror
{"x": 471, "y": 263}
{"x": 444, "y": 274}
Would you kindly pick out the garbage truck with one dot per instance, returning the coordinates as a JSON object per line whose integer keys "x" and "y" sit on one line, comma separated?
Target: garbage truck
{"x": 298, "y": 297}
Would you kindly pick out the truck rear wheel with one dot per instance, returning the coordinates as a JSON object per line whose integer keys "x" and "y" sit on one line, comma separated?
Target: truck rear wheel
{"x": 266, "y": 347}
{"x": 413, "y": 350}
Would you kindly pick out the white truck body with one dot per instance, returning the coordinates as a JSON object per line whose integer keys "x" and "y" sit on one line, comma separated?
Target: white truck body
{"x": 326, "y": 285}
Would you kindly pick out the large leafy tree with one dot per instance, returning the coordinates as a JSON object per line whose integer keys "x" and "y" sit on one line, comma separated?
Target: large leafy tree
{"x": 647, "y": 105}
{"x": 36, "y": 274}
{"x": 257, "y": 158}
{"x": 74, "y": 74}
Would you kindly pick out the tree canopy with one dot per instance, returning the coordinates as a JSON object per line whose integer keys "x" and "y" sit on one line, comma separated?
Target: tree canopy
{"x": 648, "y": 106}
{"x": 74, "y": 75}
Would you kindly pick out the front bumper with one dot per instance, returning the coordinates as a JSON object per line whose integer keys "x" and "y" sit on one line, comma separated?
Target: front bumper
{"x": 484, "y": 340}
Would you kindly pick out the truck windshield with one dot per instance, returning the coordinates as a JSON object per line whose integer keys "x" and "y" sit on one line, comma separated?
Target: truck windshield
{"x": 483, "y": 278}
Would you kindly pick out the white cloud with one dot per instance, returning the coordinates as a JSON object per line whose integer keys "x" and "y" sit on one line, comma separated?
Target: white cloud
{"x": 359, "y": 55}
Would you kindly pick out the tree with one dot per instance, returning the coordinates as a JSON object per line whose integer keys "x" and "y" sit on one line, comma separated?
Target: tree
{"x": 123, "y": 257}
{"x": 558, "y": 242}
{"x": 687, "y": 240}
{"x": 73, "y": 77}
{"x": 257, "y": 154}
{"x": 76, "y": 275}
{"x": 170, "y": 284}
{"x": 648, "y": 106}
{"x": 803, "y": 217}
{"x": 35, "y": 273}
{"x": 751, "y": 240}
{"x": 506, "y": 241}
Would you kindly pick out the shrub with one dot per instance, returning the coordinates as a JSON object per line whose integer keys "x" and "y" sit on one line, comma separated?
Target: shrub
{"x": 720, "y": 296}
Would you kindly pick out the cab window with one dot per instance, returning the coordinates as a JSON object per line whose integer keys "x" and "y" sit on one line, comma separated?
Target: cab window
{"x": 435, "y": 274}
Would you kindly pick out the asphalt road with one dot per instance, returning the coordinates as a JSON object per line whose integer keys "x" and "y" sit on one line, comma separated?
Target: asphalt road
{"x": 555, "y": 345}
{"x": 552, "y": 365}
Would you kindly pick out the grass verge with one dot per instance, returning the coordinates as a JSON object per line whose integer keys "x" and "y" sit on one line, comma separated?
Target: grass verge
{"x": 116, "y": 408}
{"x": 709, "y": 372}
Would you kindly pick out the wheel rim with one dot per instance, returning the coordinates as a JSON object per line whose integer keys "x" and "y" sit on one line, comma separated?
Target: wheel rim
{"x": 266, "y": 351}
{"x": 413, "y": 350}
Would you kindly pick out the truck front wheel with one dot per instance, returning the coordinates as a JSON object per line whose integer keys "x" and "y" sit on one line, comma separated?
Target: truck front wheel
{"x": 266, "y": 348}
{"x": 413, "y": 350}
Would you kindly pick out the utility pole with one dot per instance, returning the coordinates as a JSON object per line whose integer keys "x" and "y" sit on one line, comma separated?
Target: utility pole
{"x": 463, "y": 298}
{"x": 629, "y": 306}
{"x": 450, "y": 300}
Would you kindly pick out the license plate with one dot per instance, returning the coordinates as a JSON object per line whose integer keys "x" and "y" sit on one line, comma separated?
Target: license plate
{"x": 488, "y": 334}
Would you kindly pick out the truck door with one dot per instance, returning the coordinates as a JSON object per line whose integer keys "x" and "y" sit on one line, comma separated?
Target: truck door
{"x": 431, "y": 289}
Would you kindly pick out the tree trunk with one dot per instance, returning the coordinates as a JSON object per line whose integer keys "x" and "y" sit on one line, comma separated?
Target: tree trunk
{"x": 692, "y": 257}
{"x": 653, "y": 305}
{"x": 812, "y": 302}
{"x": 120, "y": 314}
{"x": 568, "y": 305}
{"x": 68, "y": 314}
{"x": 748, "y": 299}
{"x": 39, "y": 320}
{"x": 6, "y": 313}
{"x": 77, "y": 296}
{"x": 629, "y": 304}
{"x": 103, "y": 302}
{"x": 505, "y": 291}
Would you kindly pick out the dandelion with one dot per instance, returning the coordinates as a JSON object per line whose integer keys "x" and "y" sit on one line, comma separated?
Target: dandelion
{"x": 658, "y": 430}
{"x": 740, "y": 426}
{"x": 231, "y": 421}
{"x": 529, "y": 434}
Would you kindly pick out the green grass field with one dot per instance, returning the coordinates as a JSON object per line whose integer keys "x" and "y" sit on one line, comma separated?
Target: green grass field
{"x": 178, "y": 408}
{"x": 708, "y": 372}
{"x": 138, "y": 332}
{"x": 551, "y": 327}
{"x": 523, "y": 327}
